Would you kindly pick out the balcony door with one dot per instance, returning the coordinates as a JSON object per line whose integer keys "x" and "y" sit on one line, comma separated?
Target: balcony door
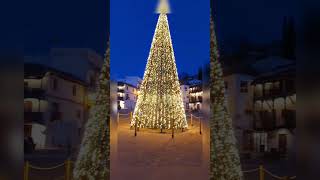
{"x": 283, "y": 143}
{"x": 27, "y": 106}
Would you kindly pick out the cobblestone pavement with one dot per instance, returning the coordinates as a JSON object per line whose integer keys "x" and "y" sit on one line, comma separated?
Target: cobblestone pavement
{"x": 152, "y": 156}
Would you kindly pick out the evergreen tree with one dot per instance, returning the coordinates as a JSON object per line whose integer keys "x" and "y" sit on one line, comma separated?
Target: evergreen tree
{"x": 159, "y": 103}
{"x": 93, "y": 158}
{"x": 224, "y": 157}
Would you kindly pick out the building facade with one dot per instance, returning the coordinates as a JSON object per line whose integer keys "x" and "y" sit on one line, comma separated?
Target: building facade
{"x": 87, "y": 62}
{"x": 185, "y": 96}
{"x": 127, "y": 93}
{"x": 195, "y": 96}
{"x": 274, "y": 105}
{"x": 54, "y": 107}
{"x": 239, "y": 97}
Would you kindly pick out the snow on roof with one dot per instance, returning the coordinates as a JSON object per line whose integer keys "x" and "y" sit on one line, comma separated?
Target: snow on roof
{"x": 194, "y": 82}
{"x": 131, "y": 80}
{"x": 270, "y": 63}
{"x": 75, "y": 61}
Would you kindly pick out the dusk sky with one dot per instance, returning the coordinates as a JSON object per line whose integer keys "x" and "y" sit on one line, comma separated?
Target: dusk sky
{"x": 84, "y": 24}
{"x": 133, "y": 24}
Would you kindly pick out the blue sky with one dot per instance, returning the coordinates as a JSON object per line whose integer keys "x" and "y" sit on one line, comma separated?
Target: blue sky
{"x": 133, "y": 22}
{"x": 85, "y": 24}
{"x": 258, "y": 21}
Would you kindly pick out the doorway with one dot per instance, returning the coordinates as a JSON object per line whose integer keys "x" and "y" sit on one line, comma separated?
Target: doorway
{"x": 282, "y": 143}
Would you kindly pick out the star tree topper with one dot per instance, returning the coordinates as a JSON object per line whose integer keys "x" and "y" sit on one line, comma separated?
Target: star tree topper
{"x": 163, "y": 7}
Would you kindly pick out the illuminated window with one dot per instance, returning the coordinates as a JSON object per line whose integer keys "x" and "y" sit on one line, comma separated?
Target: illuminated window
{"x": 121, "y": 103}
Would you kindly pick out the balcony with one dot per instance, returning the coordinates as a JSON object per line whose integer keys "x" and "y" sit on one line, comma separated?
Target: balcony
{"x": 120, "y": 90}
{"x": 195, "y": 99}
{"x": 30, "y": 117}
{"x": 265, "y": 120}
{"x": 195, "y": 90}
{"x": 34, "y": 93}
{"x": 285, "y": 88}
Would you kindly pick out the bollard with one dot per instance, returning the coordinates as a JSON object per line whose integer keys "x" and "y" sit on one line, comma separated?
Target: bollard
{"x": 68, "y": 170}
{"x": 135, "y": 128}
{"x": 131, "y": 117}
{"x": 261, "y": 173}
{"x": 118, "y": 117}
{"x": 172, "y": 133}
{"x": 26, "y": 171}
{"x": 191, "y": 120}
{"x": 200, "y": 126}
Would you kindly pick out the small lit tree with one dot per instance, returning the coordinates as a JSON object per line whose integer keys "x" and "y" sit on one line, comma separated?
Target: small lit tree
{"x": 159, "y": 103}
{"x": 93, "y": 158}
{"x": 224, "y": 157}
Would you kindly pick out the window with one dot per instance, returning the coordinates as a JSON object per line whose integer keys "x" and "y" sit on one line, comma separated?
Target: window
{"x": 74, "y": 90}
{"x": 127, "y": 97}
{"x": 244, "y": 86}
{"x": 55, "y": 84}
{"x": 78, "y": 114}
{"x": 198, "y": 106}
{"x": 55, "y": 113}
{"x": 121, "y": 105}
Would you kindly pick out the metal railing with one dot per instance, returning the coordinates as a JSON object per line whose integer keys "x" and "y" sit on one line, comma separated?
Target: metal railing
{"x": 262, "y": 174}
{"x": 68, "y": 171}
{"x": 67, "y": 164}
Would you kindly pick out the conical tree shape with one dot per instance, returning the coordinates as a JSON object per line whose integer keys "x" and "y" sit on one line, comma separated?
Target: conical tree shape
{"x": 93, "y": 158}
{"x": 159, "y": 103}
{"x": 224, "y": 157}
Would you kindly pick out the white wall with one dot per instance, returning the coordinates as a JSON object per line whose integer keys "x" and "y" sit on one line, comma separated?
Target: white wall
{"x": 185, "y": 95}
{"x": 66, "y": 130}
{"x": 38, "y": 135}
{"x": 239, "y": 104}
{"x": 38, "y": 105}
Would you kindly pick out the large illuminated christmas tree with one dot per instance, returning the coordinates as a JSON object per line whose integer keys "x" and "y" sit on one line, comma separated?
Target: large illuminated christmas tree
{"x": 224, "y": 157}
{"x": 159, "y": 104}
{"x": 93, "y": 158}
